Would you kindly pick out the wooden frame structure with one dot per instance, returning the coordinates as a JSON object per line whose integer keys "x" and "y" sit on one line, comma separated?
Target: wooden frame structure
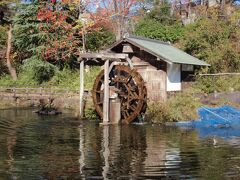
{"x": 106, "y": 58}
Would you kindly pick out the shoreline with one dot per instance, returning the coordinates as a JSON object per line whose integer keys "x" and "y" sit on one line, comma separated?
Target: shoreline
{"x": 72, "y": 104}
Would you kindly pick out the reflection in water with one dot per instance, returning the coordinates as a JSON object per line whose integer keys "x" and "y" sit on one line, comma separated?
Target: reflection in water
{"x": 105, "y": 151}
{"x": 11, "y": 141}
{"x": 81, "y": 149}
{"x": 60, "y": 147}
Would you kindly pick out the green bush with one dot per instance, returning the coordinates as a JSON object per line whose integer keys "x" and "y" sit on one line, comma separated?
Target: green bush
{"x": 210, "y": 84}
{"x": 160, "y": 24}
{"x": 184, "y": 106}
{"x": 33, "y": 72}
{"x": 156, "y": 30}
{"x": 3, "y": 36}
{"x": 180, "y": 107}
{"x": 91, "y": 114}
{"x": 158, "y": 113}
{"x": 213, "y": 41}
{"x": 40, "y": 71}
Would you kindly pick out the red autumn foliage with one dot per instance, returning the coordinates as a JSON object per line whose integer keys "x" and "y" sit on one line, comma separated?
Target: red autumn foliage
{"x": 61, "y": 43}
{"x": 63, "y": 39}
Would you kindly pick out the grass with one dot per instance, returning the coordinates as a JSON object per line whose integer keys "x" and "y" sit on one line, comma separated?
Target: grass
{"x": 65, "y": 78}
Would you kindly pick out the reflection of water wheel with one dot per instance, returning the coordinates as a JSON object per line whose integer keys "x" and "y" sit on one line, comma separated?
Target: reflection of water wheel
{"x": 130, "y": 88}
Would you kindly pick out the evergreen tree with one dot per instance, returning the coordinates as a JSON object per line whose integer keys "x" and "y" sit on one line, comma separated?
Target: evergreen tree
{"x": 160, "y": 24}
{"x": 27, "y": 37}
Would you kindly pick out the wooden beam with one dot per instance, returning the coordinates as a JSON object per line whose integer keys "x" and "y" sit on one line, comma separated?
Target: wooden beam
{"x": 81, "y": 90}
{"x": 116, "y": 63}
{"x": 103, "y": 56}
{"x": 129, "y": 62}
{"x": 106, "y": 93}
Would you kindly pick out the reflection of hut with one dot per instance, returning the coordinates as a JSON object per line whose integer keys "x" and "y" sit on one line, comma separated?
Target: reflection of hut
{"x": 155, "y": 149}
{"x": 162, "y": 66}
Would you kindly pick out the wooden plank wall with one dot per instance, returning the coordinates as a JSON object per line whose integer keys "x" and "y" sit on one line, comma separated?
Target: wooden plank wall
{"x": 154, "y": 77}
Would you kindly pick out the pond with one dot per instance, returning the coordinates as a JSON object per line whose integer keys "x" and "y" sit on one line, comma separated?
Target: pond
{"x": 61, "y": 147}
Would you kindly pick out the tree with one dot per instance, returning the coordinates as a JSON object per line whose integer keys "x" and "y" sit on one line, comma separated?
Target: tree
{"x": 53, "y": 32}
{"x": 214, "y": 41}
{"x": 47, "y": 31}
{"x": 5, "y": 18}
{"x": 116, "y": 15}
{"x": 62, "y": 39}
{"x": 99, "y": 39}
{"x": 28, "y": 39}
{"x": 160, "y": 24}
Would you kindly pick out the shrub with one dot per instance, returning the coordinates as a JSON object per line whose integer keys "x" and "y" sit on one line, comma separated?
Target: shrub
{"x": 91, "y": 114}
{"x": 184, "y": 106}
{"x": 3, "y": 36}
{"x": 158, "y": 113}
{"x": 180, "y": 107}
{"x": 40, "y": 71}
{"x": 156, "y": 30}
{"x": 210, "y": 84}
{"x": 213, "y": 41}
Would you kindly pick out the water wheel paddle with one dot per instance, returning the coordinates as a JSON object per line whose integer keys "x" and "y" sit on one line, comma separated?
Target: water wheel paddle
{"x": 129, "y": 86}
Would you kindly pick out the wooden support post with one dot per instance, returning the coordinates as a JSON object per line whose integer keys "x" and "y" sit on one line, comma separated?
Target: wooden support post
{"x": 106, "y": 93}
{"x": 81, "y": 91}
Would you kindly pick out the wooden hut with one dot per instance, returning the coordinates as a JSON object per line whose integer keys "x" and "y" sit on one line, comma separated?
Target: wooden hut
{"x": 162, "y": 66}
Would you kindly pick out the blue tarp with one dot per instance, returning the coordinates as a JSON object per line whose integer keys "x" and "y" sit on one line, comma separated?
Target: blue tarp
{"x": 222, "y": 121}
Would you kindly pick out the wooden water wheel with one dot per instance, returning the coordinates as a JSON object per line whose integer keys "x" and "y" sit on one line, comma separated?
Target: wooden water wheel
{"x": 129, "y": 86}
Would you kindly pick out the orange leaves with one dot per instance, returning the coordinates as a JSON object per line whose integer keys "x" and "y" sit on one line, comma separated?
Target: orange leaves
{"x": 51, "y": 16}
{"x": 60, "y": 43}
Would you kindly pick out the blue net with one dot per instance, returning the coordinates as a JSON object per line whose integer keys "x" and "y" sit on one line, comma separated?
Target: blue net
{"x": 222, "y": 121}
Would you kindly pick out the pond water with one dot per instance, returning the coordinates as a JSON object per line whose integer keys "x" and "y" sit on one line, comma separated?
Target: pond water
{"x": 60, "y": 147}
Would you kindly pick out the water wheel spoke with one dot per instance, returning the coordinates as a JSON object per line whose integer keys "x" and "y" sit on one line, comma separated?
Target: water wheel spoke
{"x": 133, "y": 108}
{"x": 133, "y": 96}
{"x": 129, "y": 80}
{"x": 126, "y": 114}
{"x": 124, "y": 105}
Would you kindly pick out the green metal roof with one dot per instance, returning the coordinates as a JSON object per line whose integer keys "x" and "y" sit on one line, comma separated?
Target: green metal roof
{"x": 165, "y": 51}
